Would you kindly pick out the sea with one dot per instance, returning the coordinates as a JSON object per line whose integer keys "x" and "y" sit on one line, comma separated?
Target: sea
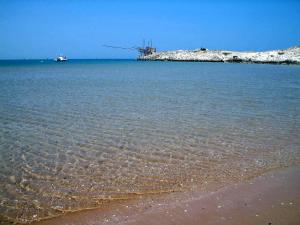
{"x": 79, "y": 134}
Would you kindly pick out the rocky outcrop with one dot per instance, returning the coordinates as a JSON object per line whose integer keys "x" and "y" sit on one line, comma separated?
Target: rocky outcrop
{"x": 286, "y": 56}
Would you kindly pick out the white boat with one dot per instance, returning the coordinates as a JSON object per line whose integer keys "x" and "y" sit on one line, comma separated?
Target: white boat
{"x": 61, "y": 59}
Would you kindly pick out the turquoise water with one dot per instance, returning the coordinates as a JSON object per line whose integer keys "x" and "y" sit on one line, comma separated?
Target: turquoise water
{"x": 75, "y": 134}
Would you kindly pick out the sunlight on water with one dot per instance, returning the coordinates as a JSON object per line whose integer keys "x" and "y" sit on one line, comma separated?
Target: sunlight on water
{"x": 74, "y": 135}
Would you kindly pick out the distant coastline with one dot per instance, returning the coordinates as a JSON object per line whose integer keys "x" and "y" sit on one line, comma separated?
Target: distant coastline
{"x": 285, "y": 56}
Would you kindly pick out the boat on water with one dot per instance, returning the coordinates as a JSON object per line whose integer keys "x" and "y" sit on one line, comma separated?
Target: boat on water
{"x": 61, "y": 59}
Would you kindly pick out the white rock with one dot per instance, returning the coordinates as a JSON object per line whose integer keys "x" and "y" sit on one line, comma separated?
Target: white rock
{"x": 290, "y": 55}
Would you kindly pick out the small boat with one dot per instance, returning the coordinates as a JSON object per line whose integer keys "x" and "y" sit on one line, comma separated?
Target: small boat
{"x": 61, "y": 59}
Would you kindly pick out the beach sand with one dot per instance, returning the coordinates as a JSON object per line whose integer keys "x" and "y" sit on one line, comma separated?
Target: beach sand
{"x": 271, "y": 199}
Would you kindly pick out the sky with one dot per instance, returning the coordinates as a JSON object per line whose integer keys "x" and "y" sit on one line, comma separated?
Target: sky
{"x": 35, "y": 29}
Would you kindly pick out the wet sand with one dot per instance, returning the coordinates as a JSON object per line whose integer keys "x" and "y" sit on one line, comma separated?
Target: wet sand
{"x": 271, "y": 199}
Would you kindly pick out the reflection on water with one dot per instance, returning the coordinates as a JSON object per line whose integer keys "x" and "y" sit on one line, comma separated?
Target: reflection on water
{"x": 74, "y": 135}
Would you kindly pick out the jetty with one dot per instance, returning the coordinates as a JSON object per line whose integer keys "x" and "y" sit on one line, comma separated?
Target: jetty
{"x": 284, "y": 56}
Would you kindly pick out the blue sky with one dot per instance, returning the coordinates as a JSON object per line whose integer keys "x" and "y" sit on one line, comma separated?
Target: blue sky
{"x": 44, "y": 29}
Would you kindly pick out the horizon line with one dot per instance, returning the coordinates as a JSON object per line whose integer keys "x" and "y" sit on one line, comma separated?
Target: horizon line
{"x": 52, "y": 59}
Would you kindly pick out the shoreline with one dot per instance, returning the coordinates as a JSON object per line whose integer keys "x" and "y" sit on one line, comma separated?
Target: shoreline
{"x": 285, "y": 56}
{"x": 269, "y": 198}
{"x": 215, "y": 61}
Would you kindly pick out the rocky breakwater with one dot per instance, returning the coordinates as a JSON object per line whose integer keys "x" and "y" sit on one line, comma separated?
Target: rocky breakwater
{"x": 286, "y": 56}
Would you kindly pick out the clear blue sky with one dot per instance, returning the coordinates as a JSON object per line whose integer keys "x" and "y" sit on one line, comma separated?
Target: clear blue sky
{"x": 42, "y": 29}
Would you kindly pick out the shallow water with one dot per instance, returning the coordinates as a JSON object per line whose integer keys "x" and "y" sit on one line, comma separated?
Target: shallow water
{"x": 75, "y": 134}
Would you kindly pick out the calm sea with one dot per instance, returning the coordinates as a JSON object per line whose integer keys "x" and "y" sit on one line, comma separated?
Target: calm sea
{"x": 75, "y": 134}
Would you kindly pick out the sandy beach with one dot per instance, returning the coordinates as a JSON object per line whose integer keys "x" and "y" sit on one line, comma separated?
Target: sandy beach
{"x": 149, "y": 112}
{"x": 142, "y": 136}
{"x": 273, "y": 198}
